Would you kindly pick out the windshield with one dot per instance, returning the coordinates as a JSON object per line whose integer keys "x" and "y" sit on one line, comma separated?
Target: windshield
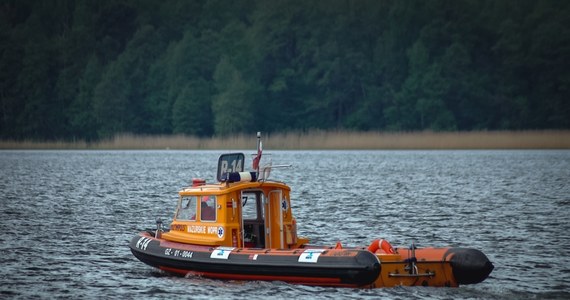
{"x": 187, "y": 208}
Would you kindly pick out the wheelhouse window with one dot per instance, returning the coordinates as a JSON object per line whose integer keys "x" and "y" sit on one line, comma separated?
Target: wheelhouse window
{"x": 187, "y": 208}
{"x": 252, "y": 208}
{"x": 208, "y": 208}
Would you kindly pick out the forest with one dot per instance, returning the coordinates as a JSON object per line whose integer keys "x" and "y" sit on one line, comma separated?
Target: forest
{"x": 88, "y": 70}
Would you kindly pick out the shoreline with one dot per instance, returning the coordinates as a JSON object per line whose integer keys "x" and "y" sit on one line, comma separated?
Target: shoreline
{"x": 319, "y": 140}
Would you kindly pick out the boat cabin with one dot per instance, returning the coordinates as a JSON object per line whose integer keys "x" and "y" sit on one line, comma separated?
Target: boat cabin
{"x": 238, "y": 211}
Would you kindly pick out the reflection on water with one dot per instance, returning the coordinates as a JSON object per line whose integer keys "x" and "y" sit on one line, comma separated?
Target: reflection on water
{"x": 67, "y": 217}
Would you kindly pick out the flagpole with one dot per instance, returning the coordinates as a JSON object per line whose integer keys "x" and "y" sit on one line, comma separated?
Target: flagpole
{"x": 257, "y": 158}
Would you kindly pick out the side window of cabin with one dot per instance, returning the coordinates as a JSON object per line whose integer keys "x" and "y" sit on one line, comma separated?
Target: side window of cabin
{"x": 187, "y": 208}
{"x": 208, "y": 208}
{"x": 249, "y": 206}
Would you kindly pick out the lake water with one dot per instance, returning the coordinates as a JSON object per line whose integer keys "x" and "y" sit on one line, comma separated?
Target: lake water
{"x": 67, "y": 218}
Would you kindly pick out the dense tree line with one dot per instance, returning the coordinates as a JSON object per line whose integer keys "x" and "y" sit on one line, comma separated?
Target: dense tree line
{"x": 91, "y": 69}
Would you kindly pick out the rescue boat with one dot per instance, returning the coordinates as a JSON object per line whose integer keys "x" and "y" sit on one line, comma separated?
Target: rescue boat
{"x": 242, "y": 228}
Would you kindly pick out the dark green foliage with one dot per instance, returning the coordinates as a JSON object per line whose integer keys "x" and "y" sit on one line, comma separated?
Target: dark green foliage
{"x": 92, "y": 69}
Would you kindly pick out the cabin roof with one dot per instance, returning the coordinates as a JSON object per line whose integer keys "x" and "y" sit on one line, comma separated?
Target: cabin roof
{"x": 225, "y": 188}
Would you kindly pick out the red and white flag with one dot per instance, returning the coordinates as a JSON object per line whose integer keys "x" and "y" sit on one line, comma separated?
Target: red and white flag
{"x": 257, "y": 157}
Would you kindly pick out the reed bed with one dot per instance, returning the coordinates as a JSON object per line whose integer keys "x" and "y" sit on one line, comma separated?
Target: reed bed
{"x": 424, "y": 140}
{"x": 325, "y": 140}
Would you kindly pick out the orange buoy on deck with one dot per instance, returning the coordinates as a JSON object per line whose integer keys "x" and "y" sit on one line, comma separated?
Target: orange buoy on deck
{"x": 382, "y": 244}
